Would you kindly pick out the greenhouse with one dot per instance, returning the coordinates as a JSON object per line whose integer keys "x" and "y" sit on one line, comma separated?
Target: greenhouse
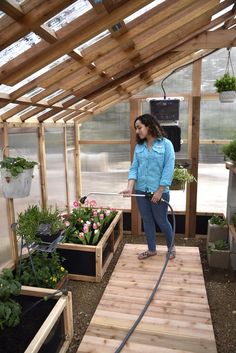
{"x": 90, "y": 92}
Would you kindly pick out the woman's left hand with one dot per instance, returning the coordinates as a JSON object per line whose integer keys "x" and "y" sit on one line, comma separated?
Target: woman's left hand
{"x": 156, "y": 196}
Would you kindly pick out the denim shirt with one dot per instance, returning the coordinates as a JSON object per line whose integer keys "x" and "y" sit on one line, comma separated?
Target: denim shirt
{"x": 154, "y": 167}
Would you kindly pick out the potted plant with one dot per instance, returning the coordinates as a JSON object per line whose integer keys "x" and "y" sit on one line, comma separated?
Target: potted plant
{"x": 226, "y": 87}
{"x": 37, "y": 224}
{"x": 229, "y": 151}
{"x": 180, "y": 178}
{"x": 217, "y": 229}
{"x": 16, "y": 173}
{"x": 91, "y": 238}
{"x": 218, "y": 254}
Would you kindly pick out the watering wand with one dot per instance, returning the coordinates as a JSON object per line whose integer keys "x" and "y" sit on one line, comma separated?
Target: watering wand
{"x": 148, "y": 195}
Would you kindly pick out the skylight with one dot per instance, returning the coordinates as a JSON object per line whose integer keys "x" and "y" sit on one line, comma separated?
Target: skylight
{"x": 18, "y": 47}
{"x": 220, "y": 13}
{"x": 92, "y": 41}
{"x": 143, "y": 10}
{"x": 69, "y": 14}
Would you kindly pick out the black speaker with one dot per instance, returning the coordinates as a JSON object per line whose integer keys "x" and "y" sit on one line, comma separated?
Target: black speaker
{"x": 166, "y": 110}
{"x": 173, "y": 133}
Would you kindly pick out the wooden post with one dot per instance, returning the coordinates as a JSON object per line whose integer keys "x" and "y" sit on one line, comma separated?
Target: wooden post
{"x": 66, "y": 170}
{"x": 193, "y": 149}
{"x": 42, "y": 165}
{"x": 78, "y": 187}
{"x": 10, "y": 203}
{"x": 135, "y": 111}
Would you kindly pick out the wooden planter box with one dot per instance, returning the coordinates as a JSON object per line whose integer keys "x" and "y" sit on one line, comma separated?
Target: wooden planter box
{"x": 215, "y": 232}
{"x": 90, "y": 262}
{"x": 56, "y": 330}
{"x": 218, "y": 258}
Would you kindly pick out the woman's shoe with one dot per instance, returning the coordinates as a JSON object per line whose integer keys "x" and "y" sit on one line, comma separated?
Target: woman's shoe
{"x": 146, "y": 254}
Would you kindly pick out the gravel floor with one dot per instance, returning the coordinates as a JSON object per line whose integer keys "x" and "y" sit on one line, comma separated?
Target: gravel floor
{"x": 220, "y": 286}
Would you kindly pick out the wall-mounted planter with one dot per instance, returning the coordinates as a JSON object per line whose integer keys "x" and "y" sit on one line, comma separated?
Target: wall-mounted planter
{"x": 90, "y": 262}
{"x": 215, "y": 232}
{"x": 46, "y": 327}
{"x": 218, "y": 258}
{"x": 19, "y": 186}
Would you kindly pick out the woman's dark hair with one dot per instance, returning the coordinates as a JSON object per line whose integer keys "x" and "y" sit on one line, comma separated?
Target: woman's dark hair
{"x": 153, "y": 124}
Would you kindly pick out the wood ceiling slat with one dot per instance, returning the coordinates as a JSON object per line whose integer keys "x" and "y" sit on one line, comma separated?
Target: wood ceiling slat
{"x": 69, "y": 43}
{"x": 28, "y": 21}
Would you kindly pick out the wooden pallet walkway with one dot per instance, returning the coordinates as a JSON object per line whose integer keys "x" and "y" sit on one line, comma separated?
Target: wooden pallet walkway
{"x": 178, "y": 319}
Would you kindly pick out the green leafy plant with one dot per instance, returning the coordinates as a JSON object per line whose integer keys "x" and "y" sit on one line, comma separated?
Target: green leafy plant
{"x": 226, "y": 82}
{"x": 218, "y": 220}
{"x": 182, "y": 174}
{"x": 218, "y": 245}
{"x": 48, "y": 270}
{"x": 86, "y": 224}
{"x": 10, "y": 310}
{"x": 29, "y": 221}
{"x": 16, "y": 165}
{"x": 229, "y": 151}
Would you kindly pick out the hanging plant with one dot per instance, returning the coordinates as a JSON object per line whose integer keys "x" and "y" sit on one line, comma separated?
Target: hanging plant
{"x": 226, "y": 84}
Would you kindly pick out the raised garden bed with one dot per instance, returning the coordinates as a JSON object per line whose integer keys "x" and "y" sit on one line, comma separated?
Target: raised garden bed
{"x": 89, "y": 262}
{"x": 46, "y": 327}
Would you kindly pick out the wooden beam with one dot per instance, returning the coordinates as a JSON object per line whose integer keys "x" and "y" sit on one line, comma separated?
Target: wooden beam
{"x": 42, "y": 165}
{"x": 77, "y": 156}
{"x": 193, "y": 149}
{"x": 66, "y": 170}
{"x": 135, "y": 111}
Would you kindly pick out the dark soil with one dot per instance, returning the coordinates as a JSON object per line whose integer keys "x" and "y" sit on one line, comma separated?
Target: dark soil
{"x": 17, "y": 339}
{"x": 220, "y": 286}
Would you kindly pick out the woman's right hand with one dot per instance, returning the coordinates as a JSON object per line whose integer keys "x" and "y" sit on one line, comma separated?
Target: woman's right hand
{"x": 126, "y": 192}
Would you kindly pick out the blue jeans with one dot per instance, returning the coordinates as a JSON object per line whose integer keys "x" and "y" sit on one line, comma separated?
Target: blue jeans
{"x": 155, "y": 214}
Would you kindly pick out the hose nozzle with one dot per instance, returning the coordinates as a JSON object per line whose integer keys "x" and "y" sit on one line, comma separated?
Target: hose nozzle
{"x": 82, "y": 199}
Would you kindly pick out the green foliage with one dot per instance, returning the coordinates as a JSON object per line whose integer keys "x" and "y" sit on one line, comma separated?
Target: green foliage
{"x": 16, "y": 165}
{"x": 182, "y": 174}
{"x": 29, "y": 221}
{"x": 226, "y": 82}
{"x": 10, "y": 311}
{"x": 218, "y": 245}
{"x": 218, "y": 220}
{"x": 48, "y": 269}
{"x": 230, "y": 150}
{"x": 86, "y": 224}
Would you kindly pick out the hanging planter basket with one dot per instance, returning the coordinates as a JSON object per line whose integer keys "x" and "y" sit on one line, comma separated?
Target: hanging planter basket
{"x": 177, "y": 185}
{"x": 226, "y": 84}
{"x": 227, "y": 96}
{"x": 14, "y": 187}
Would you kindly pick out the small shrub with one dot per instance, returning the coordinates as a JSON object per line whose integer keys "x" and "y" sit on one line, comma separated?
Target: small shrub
{"x": 218, "y": 220}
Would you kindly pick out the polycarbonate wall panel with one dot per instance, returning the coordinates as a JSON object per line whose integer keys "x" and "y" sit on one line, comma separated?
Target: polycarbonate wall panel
{"x": 54, "y": 146}
{"x": 105, "y": 169}
{"x": 178, "y": 82}
{"x": 112, "y": 124}
{"x": 213, "y": 66}
{"x": 71, "y": 162}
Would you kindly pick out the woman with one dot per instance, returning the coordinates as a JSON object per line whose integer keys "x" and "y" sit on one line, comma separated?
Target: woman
{"x": 152, "y": 172}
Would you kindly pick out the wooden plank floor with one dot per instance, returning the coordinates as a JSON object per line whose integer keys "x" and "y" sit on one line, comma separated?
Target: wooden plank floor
{"x": 177, "y": 320}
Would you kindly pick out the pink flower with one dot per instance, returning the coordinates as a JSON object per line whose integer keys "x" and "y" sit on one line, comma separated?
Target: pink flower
{"x": 108, "y": 212}
{"x": 75, "y": 204}
{"x": 101, "y": 216}
{"x": 67, "y": 223}
{"x": 85, "y": 228}
{"x": 93, "y": 203}
{"x": 95, "y": 226}
{"x": 81, "y": 235}
{"x": 95, "y": 213}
